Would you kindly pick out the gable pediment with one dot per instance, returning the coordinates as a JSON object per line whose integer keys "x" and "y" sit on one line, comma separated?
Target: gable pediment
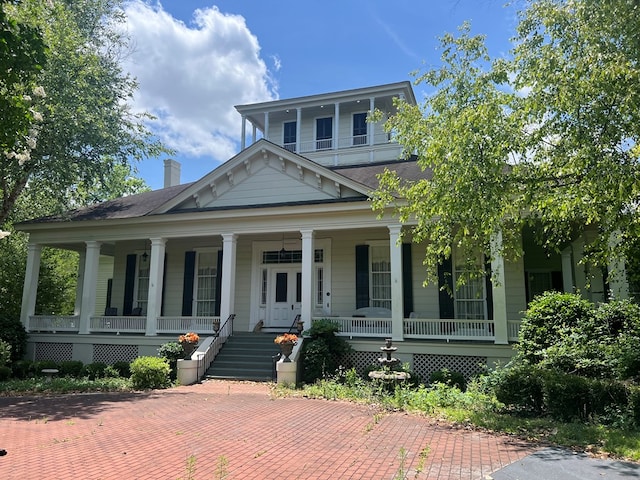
{"x": 265, "y": 174}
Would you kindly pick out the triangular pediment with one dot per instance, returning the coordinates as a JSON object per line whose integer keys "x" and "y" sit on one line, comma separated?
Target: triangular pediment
{"x": 265, "y": 174}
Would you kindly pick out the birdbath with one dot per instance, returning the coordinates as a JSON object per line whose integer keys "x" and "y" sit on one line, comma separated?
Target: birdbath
{"x": 387, "y": 362}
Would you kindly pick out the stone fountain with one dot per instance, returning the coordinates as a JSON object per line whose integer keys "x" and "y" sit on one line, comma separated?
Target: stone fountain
{"x": 387, "y": 362}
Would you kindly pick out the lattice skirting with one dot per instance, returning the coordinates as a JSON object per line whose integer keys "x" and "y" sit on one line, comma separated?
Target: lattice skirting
{"x": 57, "y": 352}
{"x": 114, "y": 353}
{"x": 423, "y": 364}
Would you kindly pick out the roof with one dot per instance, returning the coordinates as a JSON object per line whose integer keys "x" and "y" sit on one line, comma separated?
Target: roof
{"x": 367, "y": 174}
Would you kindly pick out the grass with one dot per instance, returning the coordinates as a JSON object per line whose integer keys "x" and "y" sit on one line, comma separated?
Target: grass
{"x": 13, "y": 387}
{"x": 476, "y": 409}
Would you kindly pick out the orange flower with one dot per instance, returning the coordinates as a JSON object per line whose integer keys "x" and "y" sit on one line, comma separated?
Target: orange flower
{"x": 189, "y": 338}
{"x": 286, "y": 338}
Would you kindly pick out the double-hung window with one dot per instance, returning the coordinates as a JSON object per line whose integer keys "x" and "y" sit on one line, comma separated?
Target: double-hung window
{"x": 324, "y": 133}
{"x": 142, "y": 282}
{"x": 359, "y": 128}
{"x": 380, "y": 272}
{"x": 470, "y": 298}
{"x": 205, "y": 284}
{"x": 289, "y": 136}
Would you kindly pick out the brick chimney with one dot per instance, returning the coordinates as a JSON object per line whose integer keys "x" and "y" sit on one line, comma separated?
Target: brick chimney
{"x": 171, "y": 173}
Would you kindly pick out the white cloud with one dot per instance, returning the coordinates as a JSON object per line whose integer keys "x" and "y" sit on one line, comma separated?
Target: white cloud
{"x": 191, "y": 76}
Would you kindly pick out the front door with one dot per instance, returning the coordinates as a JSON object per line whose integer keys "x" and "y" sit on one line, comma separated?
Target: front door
{"x": 285, "y": 296}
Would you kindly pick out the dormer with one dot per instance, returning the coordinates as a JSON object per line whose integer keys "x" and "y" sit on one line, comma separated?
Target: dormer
{"x": 332, "y": 128}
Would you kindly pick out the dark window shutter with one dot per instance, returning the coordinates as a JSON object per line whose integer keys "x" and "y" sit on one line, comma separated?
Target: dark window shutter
{"x": 445, "y": 279}
{"x": 362, "y": 276}
{"x": 218, "y": 285}
{"x": 489, "y": 289}
{"x": 407, "y": 280}
{"x": 557, "y": 282}
{"x": 187, "y": 285}
{"x": 129, "y": 283}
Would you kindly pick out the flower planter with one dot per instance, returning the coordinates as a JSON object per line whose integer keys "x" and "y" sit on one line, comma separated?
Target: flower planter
{"x": 187, "y": 372}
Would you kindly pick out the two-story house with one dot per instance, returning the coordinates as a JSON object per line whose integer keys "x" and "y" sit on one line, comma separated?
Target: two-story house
{"x": 283, "y": 228}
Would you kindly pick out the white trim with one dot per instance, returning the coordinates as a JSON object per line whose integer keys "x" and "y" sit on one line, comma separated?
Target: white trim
{"x": 315, "y": 132}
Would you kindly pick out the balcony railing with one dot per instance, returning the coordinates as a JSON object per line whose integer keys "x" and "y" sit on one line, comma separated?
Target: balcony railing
{"x": 356, "y": 141}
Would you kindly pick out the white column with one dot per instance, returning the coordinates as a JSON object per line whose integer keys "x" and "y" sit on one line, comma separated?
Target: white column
{"x": 30, "y": 287}
{"x": 80, "y": 282}
{"x": 567, "y": 271}
{"x": 298, "y": 129}
{"x": 307, "y": 276}
{"x": 254, "y": 133}
{"x": 371, "y": 125}
{"x": 156, "y": 273}
{"x": 244, "y": 132}
{"x": 397, "y": 300}
{"x": 90, "y": 281}
{"x": 227, "y": 300}
{"x": 336, "y": 126}
{"x": 499, "y": 291}
{"x": 265, "y": 134}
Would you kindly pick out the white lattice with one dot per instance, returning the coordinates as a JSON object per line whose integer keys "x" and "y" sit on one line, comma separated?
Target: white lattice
{"x": 425, "y": 364}
{"x": 57, "y": 352}
{"x": 114, "y": 353}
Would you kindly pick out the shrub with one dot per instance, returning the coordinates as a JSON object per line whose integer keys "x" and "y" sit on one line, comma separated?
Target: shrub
{"x": 72, "y": 368}
{"x": 12, "y": 332}
{"x": 453, "y": 379}
{"x": 549, "y": 319}
{"x": 5, "y": 373}
{"x": 94, "y": 370}
{"x": 519, "y": 386}
{"x": 5, "y": 353}
{"x": 21, "y": 368}
{"x": 123, "y": 368}
{"x": 172, "y": 351}
{"x": 322, "y": 351}
{"x": 150, "y": 372}
{"x": 37, "y": 367}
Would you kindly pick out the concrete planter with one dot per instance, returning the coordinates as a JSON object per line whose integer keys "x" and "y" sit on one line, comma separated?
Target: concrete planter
{"x": 286, "y": 372}
{"x": 187, "y": 372}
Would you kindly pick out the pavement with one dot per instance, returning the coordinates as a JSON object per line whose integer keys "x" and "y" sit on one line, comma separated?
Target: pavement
{"x": 241, "y": 430}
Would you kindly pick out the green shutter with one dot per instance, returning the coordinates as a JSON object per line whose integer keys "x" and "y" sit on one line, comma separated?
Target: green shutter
{"x": 129, "y": 283}
{"x": 187, "y": 284}
{"x": 407, "y": 280}
{"x": 445, "y": 290}
{"x": 362, "y": 276}
{"x": 216, "y": 307}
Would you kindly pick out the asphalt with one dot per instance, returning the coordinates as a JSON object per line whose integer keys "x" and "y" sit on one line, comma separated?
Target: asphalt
{"x": 241, "y": 430}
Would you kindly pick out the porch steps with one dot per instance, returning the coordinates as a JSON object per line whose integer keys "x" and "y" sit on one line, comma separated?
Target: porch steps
{"x": 245, "y": 356}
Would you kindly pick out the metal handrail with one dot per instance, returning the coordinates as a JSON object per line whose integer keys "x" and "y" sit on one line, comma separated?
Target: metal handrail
{"x": 207, "y": 352}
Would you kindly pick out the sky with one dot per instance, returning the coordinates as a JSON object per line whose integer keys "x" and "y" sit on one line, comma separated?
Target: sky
{"x": 196, "y": 59}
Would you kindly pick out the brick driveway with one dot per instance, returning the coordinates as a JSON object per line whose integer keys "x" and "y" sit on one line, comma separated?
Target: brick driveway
{"x": 234, "y": 430}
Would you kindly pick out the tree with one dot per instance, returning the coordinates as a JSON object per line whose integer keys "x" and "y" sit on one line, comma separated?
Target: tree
{"x": 87, "y": 127}
{"x": 547, "y": 137}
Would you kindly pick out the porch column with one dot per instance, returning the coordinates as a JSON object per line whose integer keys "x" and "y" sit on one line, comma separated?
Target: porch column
{"x": 156, "y": 275}
{"x": 499, "y": 292}
{"x": 243, "y": 133}
{"x": 265, "y": 134}
{"x": 397, "y": 301}
{"x": 30, "y": 287}
{"x": 567, "y": 271}
{"x": 617, "y": 273}
{"x": 227, "y": 295}
{"x": 336, "y": 126}
{"x": 298, "y": 128}
{"x": 371, "y": 125}
{"x": 89, "y": 283}
{"x": 82, "y": 256}
{"x": 254, "y": 133}
{"x": 307, "y": 276}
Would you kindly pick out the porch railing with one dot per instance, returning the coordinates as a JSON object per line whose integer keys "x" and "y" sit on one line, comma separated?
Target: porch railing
{"x": 122, "y": 324}
{"x": 53, "y": 323}
{"x": 424, "y": 328}
{"x": 204, "y": 325}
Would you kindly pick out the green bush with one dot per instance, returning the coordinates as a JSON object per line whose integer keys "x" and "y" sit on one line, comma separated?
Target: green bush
{"x": 322, "y": 351}
{"x": 519, "y": 386}
{"x": 150, "y": 372}
{"x": 5, "y": 353}
{"x": 94, "y": 370}
{"x": 172, "y": 351}
{"x": 123, "y": 368}
{"x": 71, "y": 368}
{"x": 453, "y": 379}
{"x": 5, "y": 373}
{"x": 22, "y": 368}
{"x": 549, "y": 319}
{"x": 37, "y": 367}
{"x": 12, "y": 332}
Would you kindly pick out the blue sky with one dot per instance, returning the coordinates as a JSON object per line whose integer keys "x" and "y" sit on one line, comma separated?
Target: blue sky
{"x": 196, "y": 59}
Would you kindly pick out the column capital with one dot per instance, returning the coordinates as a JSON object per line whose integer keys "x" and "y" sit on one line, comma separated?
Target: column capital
{"x": 394, "y": 229}
{"x": 92, "y": 244}
{"x": 307, "y": 233}
{"x": 158, "y": 241}
{"x": 229, "y": 237}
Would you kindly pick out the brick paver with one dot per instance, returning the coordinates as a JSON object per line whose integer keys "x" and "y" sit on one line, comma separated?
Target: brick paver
{"x": 235, "y": 430}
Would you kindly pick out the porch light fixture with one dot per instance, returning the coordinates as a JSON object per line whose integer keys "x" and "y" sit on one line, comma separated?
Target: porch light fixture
{"x": 145, "y": 255}
{"x": 283, "y": 251}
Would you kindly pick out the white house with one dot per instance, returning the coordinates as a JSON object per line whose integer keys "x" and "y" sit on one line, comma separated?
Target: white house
{"x": 284, "y": 228}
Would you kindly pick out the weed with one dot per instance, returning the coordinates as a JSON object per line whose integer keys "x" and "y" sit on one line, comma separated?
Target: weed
{"x": 400, "y": 474}
{"x": 221, "y": 471}
{"x": 190, "y": 468}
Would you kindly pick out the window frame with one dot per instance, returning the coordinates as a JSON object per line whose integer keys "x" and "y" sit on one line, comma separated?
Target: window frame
{"x": 196, "y": 302}
{"x": 459, "y": 300}
{"x": 375, "y": 301}
{"x": 290, "y": 145}
{"x": 326, "y": 142}
{"x": 358, "y": 139}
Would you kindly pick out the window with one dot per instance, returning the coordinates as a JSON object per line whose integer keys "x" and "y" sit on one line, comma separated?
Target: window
{"x": 359, "y": 129}
{"x": 319, "y": 286}
{"x": 142, "y": 282}
{"x": 289, "y": 136}
{"x": 470, "y": 298}
{"x": 205, "y": 284}
{"x": 380, "y": 276}
{"x": 324, "y": 133}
